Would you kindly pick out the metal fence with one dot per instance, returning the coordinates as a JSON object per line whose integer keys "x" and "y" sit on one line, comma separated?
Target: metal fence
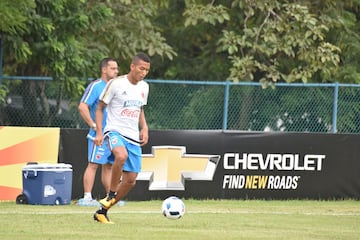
{"x": 244, "y": 106}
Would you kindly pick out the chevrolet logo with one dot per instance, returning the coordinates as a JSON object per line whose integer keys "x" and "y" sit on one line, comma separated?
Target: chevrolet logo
{"x": 167, "y": 167}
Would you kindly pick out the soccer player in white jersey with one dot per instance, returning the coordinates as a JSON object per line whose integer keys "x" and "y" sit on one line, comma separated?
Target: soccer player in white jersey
{"x": 126, "y": 129}
{"x": 97, "y": 155}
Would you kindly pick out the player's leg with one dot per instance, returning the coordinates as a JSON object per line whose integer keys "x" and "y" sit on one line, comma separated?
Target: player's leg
{"x": 98, "y": 155}
{"x": 131, "y": 168}
{"x": 106, "y": 176}
{"x": 88, "y": 179}
{"x": 128, "y": 181}
{"x": 89, "y": 174}
{"x": 105, "y": 159}
{"x": 120, "y": 156}
{"x": 119, "y": 153}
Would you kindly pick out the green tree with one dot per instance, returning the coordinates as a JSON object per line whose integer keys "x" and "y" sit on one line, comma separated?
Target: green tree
{"x": 270, "y": 41}
{"x": 52, "y": 43}
{"x": 132, "y": 28}
{"x": 14, "y": 15}
{"x": 197, "y": 58}
{"x": 282, "y": 41}
{"x": 65, "y": 40}
{"x": 13, "y": 18}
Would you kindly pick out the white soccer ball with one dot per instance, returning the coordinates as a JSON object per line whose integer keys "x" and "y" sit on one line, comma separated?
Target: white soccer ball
{"x": 173, "y": 208}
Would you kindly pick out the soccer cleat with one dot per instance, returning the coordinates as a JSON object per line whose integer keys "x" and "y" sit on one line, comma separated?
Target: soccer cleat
{"x": 107, "y": 203}
{"x": 103, "y": 218}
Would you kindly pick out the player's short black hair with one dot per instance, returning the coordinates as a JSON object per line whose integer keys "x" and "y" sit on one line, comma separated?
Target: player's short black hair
{"x": 141, "y": 56}
{"x": 105, "y": 62}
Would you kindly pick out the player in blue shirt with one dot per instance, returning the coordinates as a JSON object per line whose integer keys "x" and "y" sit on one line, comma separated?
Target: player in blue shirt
{"x": 97, "y": 155}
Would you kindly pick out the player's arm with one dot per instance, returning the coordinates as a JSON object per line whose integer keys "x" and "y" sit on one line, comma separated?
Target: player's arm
{"x": 85, "y": 114}
{"x": 99, "y": 115}
{"x": 144, "y": 131}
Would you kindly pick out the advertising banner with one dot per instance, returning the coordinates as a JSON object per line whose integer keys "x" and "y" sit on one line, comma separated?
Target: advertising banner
{"x": 19, "y": 146}
{"x": 253, "y": 165}
{"x": 235, "y": 165}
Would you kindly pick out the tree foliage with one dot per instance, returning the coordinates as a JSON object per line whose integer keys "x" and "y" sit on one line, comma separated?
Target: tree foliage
{"x": 276, "y": 41}
{"x": 66, "y": 39}
{"x": 239, "y": 40}
{"x": 53, "y": 42}
{"x": 132, "y": 29}
{"x": 271, "y": 41}
{"x": 13, "y": 15}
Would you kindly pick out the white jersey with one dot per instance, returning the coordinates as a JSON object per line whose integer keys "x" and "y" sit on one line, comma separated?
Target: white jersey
{"x": 124, "y": 101}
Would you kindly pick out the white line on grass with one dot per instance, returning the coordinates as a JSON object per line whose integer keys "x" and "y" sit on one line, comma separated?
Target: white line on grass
{"x": 87, "y": 211}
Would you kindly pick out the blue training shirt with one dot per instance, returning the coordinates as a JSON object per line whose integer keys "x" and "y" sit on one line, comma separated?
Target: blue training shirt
{"x": 91, "y": 98}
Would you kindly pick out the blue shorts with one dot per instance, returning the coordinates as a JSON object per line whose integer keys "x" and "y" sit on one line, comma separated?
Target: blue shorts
{"x": 99, "y": 154}
{"x": 133, "y": 162}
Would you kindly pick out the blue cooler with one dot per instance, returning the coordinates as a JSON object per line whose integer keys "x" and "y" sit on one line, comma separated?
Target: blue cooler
{"x": 47, "y": 184}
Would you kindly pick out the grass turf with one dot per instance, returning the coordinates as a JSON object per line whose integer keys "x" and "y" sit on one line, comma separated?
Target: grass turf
{"x": 204, "y": 219}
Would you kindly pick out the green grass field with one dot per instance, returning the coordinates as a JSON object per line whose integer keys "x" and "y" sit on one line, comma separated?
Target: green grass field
{"x": 210, "y": 219}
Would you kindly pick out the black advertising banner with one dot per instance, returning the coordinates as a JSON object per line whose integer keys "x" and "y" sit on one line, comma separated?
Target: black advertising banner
{"x": 268, "y": 165}
{"x": 73, "y": 150}
{"x": 246, "y": 165}
{"x": 317, "y": 166}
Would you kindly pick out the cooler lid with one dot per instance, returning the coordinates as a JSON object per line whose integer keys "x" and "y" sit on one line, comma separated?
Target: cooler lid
{"x": 43, "y": 166}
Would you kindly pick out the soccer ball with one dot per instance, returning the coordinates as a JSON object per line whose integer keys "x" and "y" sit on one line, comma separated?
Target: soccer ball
{"x": 173, "y": 208}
